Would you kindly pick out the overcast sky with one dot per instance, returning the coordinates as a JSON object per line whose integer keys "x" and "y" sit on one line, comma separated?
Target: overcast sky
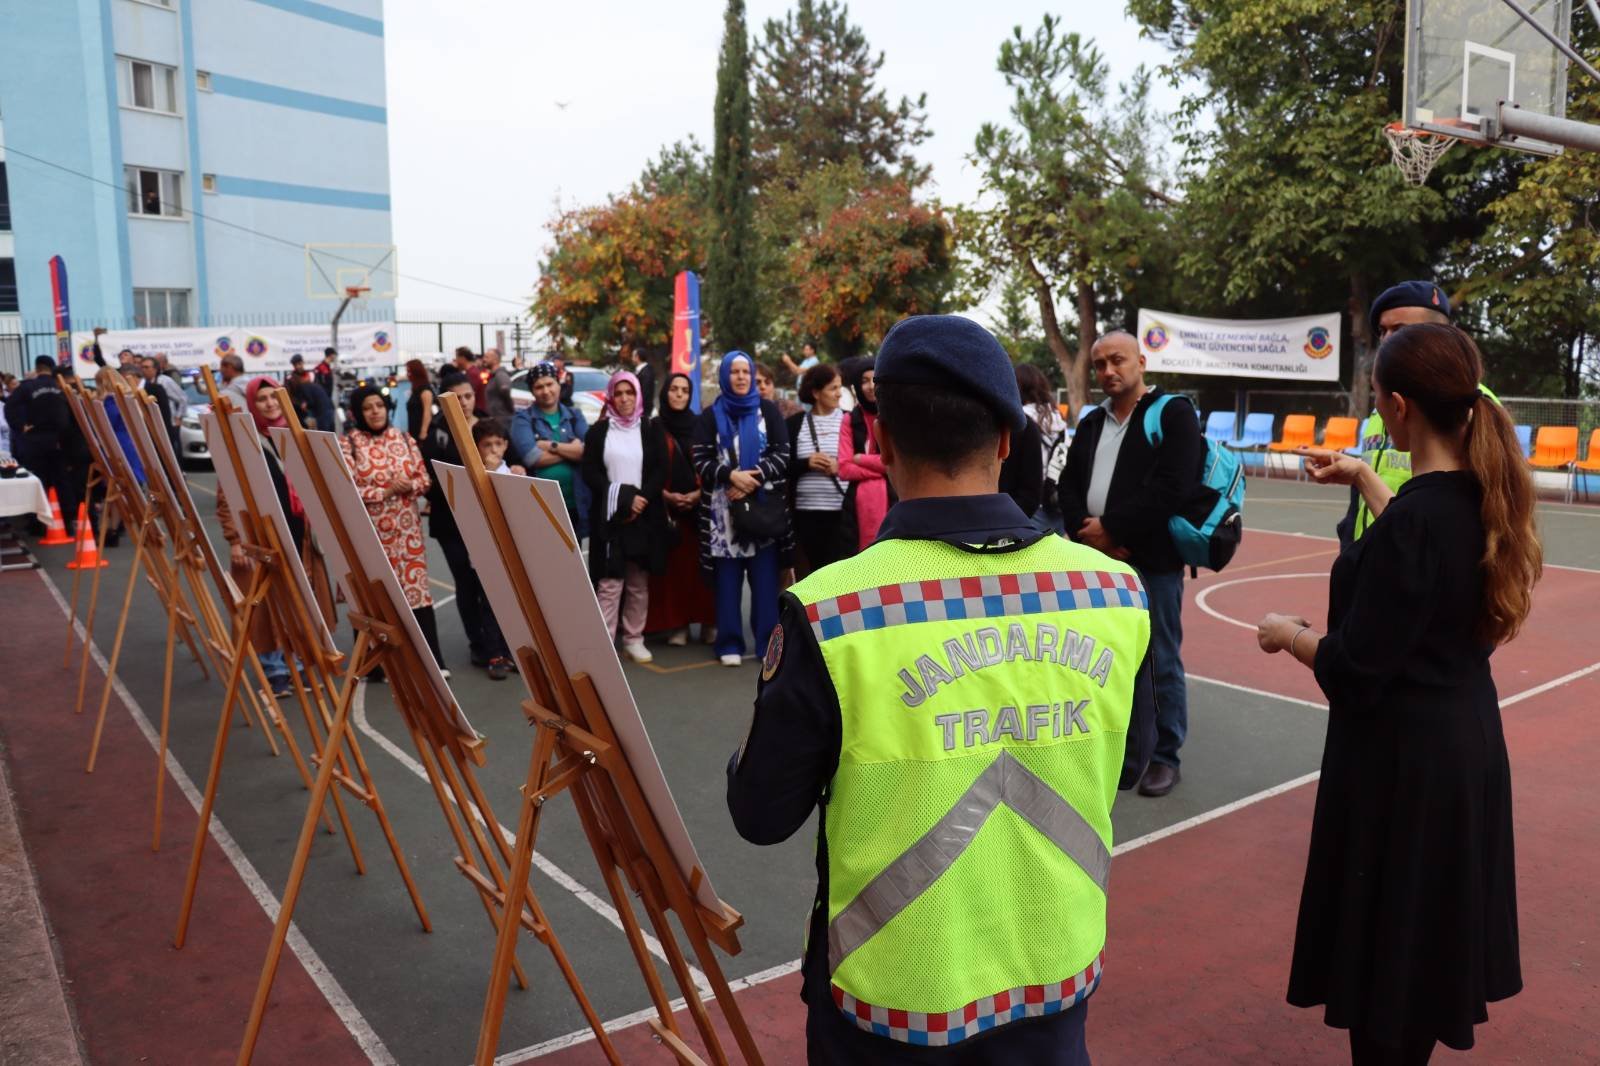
{"x": 480, "y": 154}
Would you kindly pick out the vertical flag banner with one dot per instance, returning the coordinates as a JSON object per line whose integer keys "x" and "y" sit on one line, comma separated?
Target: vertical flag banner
{"x": 686, "y": 333}
{"x": 58, "y": 296}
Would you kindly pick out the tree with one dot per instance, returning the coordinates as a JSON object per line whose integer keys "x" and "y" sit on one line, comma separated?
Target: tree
{"x": 877, "y": 257}
{"x": 608, "y": 278}
{"x": 817, "y": 100}
{"x": 1070, "y": 191}
{"x": 1015, "y": 324}
{"x": 731, "y": 300}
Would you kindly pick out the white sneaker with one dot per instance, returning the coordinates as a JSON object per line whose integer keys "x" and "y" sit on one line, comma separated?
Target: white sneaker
{"x": 731, "y": 659}
{"x": 638, "y": 652}
{"x": 679, "y": 637}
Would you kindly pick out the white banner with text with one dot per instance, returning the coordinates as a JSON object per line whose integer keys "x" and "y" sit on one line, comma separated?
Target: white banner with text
{"x": 1298, "y": 349}
{"x": 264, "y": 350}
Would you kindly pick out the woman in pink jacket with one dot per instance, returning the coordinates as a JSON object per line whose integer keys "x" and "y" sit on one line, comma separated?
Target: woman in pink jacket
{"x": 859, "y": 462}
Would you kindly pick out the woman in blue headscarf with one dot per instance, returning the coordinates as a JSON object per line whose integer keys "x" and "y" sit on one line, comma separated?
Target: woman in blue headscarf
{"x": 740, "y": 450}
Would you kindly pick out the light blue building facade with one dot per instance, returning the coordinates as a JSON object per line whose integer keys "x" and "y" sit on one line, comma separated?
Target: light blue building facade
{"x": 179, "y": 154}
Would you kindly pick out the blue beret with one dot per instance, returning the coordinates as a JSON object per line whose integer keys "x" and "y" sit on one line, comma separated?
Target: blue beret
{"x": 956, "y": 353}
{"x": 1408, "y": 294}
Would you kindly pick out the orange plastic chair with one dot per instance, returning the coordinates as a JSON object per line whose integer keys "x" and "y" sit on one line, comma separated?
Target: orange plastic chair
{"x": 1556, "y": 448}
{"x": 1340, "y": 433}
{"x": 1588, "y": 466}
{"x": 1297, "y": 430}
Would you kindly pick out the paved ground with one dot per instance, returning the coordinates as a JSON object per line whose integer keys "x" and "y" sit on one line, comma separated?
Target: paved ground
{"x": 1202, "y": 911}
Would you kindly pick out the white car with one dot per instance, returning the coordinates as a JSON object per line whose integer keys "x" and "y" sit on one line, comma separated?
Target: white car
{"x": 191, "y": 438}
{"x": 588, "y": 391}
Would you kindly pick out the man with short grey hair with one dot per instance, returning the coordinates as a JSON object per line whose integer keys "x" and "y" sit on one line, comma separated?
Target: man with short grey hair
{"x": 231, "y": 370}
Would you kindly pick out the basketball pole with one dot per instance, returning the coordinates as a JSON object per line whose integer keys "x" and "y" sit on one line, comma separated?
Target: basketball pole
{"x": 1555, "y": 39}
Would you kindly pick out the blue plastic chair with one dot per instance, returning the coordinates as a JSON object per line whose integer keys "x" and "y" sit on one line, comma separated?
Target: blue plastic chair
{"x": 1085, "y": 409}
{"x": 1253, "y": 442}
{"x": 1525, "y": 438}
{"x": 1219, "y": 426}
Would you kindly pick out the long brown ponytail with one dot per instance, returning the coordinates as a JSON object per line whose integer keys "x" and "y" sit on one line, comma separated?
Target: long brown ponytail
{"x": 1438, "y": 367}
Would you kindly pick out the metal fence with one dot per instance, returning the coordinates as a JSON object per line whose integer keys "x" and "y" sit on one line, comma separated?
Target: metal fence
{"x": 417, "y": 337}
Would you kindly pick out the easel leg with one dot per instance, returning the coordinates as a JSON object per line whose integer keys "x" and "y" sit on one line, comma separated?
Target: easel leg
{"x": 88, "y": 622}
{"x": 302, "y": 852}
{"x": 166, "y": 719}
{"x": 218, "y": 749}
{"x": 279, "y": 723}
{"x": 116, "y": 653}
{"x": 300, "y": 684}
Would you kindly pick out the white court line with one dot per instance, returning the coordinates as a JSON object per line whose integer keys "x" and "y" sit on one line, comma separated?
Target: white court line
{"x": 1539, "y": 690}
{"x": 601, "y": 907}
{"x": 1204, "y": 594}
{"x": 1315, "y": 706}
{"x": 447, "y": 599}
{"x": 1319, "y": 536}
{"x": 316, "y": 969}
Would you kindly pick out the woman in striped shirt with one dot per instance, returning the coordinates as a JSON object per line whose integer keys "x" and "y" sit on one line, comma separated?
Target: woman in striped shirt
{"x": 814, "y": 456}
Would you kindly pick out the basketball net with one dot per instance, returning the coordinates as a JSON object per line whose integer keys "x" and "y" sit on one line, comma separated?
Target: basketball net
{"x": 1415, "y": 151}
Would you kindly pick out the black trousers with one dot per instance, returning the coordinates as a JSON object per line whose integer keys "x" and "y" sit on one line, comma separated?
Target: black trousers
{"x": 49, "y": 462}
{"x": 817, "y": 535}
{"x": 484, "y": 639}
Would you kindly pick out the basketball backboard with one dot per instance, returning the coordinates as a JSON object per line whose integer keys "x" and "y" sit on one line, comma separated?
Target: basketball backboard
{"x": 1465, "y": 57}
{"x": 333, "y": 270}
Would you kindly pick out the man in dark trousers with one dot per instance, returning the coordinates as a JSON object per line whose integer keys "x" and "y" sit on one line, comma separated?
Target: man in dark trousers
{"x": 961, "y": 701}
{"x": 1117, "y": 493}
{"x": 43, "y": 433}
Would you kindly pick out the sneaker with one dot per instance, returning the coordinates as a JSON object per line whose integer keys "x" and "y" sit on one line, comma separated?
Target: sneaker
{"x": 731, "y": 659}
{"x": 280, "y": 686}
{"x": 708, "y": 634}
{"x": 637, "y": 651}
{"x": 444, "y": 672}
{"x": 499, "y": 669}
{"x": 679, "y": 637}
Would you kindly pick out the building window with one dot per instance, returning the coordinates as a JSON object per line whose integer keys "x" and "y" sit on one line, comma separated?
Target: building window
{"x": 154, "y": 192}
{"x": 161, "y": 308}
{"x": 150, "y": 86}
{"x": 208, "y": 182}
{"x": 5, "y": 200}
{"x": 8, "y": 286}
{"x": 202, "y": 80}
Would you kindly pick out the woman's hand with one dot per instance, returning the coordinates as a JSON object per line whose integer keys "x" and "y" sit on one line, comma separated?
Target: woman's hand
{"x": 1330, "y": 467}
{"x": 399, "y": 487}
{"x": 236, "y": 554}
{"x": 824, "y": 463}
{"x": 746, "y": 481}
{"x": 639, "y": 504}
{"x": 1275, "y": 632}
{"x": 518, "y": 470}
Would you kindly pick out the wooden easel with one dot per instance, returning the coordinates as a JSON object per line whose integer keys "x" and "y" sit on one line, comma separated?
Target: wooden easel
{"x": 193, "y": 558}
{"x": 140, "y": 517}
{"x": 449, "y": 752}
{"x": 576, "y": 751}
{"x": 301, "y": 635}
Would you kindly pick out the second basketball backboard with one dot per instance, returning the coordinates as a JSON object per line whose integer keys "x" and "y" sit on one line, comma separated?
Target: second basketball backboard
{"x": 1464, "y": 57}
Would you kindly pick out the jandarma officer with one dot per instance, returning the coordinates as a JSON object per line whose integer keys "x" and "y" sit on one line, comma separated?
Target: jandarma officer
{"x": 962, "y": 701}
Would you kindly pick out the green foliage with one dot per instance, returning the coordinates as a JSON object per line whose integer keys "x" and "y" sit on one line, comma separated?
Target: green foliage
{"x": 1071, "y": 188}
{"x": 817, "y": 101}
{"x": 732, "y": 305}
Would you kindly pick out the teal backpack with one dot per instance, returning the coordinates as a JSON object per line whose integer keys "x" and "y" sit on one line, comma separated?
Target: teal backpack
{"x": 1208, "y": 527}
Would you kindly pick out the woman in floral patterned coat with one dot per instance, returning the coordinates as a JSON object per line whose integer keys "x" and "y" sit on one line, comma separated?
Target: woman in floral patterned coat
{"x": 393, "y": 480}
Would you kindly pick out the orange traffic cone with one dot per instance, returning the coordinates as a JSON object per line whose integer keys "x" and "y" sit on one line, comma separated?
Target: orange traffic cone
{"x": 57, "y": 531}
{"x": 88, "y": 556}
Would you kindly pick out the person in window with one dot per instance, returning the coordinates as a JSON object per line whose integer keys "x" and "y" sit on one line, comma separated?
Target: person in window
{"x": 741, "y": 451}
{"x": 860, "y": 465}
{"x": 486, "y": 645}
{"x": 1408, "y": 917}
{"x": 680, "y": 597}
{"x": 814, "y": 470}
{"x": 547, "y": 438}
{"x": 625, "y": 467}
{"x": 393, "y": 480}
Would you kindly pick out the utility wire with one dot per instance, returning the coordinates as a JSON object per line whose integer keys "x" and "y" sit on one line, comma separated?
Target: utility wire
{"x": 12, "y": 150}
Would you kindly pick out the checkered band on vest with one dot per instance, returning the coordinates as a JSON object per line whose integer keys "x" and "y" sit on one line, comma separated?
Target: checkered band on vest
{"x": 994, "y": 596}
{"x": 952, "y": 1027}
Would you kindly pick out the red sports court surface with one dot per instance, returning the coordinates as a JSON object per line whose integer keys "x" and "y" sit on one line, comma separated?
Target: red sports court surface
{"x": 1202, "y": 908}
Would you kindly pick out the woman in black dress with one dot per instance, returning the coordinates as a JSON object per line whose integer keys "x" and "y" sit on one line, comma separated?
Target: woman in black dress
{"x": 419, "y": 405}
{"x": 1408, "y": 916}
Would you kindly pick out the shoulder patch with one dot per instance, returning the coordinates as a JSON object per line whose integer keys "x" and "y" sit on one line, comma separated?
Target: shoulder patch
{"x": 769, "y": 665}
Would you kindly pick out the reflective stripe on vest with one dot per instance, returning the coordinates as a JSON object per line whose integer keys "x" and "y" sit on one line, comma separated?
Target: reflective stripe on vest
{"x": 984, "y": 701}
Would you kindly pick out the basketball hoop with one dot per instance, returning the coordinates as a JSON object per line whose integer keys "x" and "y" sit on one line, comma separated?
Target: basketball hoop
{"x": 1415, "y": 151}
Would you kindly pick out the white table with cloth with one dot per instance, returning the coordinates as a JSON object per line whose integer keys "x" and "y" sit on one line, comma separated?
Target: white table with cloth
{"x": 20, "y": 496}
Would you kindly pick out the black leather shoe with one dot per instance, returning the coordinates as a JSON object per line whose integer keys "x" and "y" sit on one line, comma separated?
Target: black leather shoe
{"x": 1158, "y": 779}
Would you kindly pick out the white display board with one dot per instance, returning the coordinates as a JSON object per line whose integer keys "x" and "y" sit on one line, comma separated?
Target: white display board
{"x": 560, "y": 579}
{"x": 370, "y": 562}
{"x": 264, "y": 349}
{"x": 1294, "y": 349}
{"x": 261, "y": 500}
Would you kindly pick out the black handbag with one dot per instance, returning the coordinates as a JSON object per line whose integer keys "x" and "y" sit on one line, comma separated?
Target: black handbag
{"x": 758, "y": 517}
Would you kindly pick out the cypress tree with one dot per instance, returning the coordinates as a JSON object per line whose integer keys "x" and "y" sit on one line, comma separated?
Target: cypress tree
{"x": 731, "y": 267}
